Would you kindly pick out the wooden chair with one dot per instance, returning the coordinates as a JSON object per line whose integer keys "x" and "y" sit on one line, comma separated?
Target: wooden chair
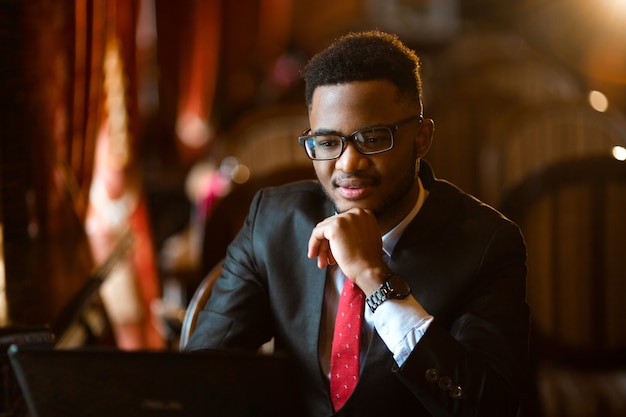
{"x": 524, "y": 141}
{"x": 266, "y": 139}
{"x": 197, "y": 303}
{"x": 573, "y": 216}
{"x": 477, "y": 80}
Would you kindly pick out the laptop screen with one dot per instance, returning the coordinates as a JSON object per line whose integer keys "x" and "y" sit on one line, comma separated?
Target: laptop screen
{"x": 104, "y": 382}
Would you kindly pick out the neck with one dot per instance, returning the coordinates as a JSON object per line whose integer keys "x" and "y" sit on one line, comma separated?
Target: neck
{"x": 394, "y": 214}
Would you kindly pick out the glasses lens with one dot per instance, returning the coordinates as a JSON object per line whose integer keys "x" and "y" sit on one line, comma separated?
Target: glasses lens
{"x": 323, "y": 146}
{"x": 374, "y": 140}
{"x": 367, "y": 141}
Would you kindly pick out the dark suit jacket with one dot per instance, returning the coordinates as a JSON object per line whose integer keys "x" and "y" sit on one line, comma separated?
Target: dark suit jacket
{"x": 466, "y": 265}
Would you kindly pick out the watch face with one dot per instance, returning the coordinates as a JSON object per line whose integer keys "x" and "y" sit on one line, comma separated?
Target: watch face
{"x": 400, "y": 287}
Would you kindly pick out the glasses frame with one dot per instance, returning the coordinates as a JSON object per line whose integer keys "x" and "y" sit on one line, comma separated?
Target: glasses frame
{"x": 352, "y": 137}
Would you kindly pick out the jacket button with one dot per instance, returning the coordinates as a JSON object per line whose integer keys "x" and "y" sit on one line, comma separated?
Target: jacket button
{"x": 456, "y": 393}
{"x": 445, "y": 383}
{"x": 432, "y": 375}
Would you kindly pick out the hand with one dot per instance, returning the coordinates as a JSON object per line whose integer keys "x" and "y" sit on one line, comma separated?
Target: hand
{"x": 352, "y": 240}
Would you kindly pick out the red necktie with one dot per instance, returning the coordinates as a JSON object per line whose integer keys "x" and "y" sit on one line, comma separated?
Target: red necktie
{"x": 344, "y": 360}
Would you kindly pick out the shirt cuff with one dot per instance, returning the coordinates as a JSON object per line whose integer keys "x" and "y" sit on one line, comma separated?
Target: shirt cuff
{"x": 401, "y": 324}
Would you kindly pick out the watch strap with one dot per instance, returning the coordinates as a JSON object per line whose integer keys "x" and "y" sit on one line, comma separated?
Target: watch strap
{"x": 387, "y": 291}
{"x": 380, "y": 295}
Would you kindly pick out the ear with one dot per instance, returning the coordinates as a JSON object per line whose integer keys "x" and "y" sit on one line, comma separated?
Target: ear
{"x": 424, "y": 137}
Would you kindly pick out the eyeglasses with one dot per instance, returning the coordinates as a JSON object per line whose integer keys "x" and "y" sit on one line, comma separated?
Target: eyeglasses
{"x": 368, "y": 141}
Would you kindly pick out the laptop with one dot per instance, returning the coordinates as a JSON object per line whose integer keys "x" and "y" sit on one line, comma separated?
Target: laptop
{"x": 103, "y": 382}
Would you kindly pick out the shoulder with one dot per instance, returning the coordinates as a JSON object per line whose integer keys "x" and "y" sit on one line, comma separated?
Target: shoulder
{"x": 459, "y": 207}
{"x": 283, "y": 216}
{"x": 447, "y": 191}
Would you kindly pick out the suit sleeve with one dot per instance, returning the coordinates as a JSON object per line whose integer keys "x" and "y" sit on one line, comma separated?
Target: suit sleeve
{"x": 475, "y": 365}
{"x": 235, "y": 316}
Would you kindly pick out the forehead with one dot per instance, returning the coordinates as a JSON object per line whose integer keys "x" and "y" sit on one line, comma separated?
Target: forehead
{"x": 350, "y": 106}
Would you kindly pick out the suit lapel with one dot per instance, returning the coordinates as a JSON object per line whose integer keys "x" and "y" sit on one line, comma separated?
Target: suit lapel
{"x": 424, "y": 229}
{"x": 313, "y": 282}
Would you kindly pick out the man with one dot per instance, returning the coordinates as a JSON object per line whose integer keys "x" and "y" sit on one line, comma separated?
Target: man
{"x": 445, "y": 325}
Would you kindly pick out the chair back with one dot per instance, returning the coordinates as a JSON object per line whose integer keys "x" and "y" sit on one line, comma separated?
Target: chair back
{"x": 266, "y": 139}
{"x": 524, "y": 141}
{"x": 573, "y": 218}
{"x": 197, "y": 303}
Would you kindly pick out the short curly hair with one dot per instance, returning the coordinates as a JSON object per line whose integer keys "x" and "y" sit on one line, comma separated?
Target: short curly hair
{"x": 364, "y": 56}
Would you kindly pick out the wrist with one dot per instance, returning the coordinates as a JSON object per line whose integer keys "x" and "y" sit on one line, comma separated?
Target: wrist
{"x": 371, "y": 279}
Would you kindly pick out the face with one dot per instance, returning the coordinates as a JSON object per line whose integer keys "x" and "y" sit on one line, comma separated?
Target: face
{"x": 384, "y": 183}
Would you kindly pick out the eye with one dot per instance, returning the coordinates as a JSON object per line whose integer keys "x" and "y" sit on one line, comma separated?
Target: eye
{"x": 325, "y": 141}
{"x": 374, "y": 137}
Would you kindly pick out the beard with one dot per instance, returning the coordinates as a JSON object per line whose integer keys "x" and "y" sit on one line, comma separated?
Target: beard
{"x": 401, "y": 190}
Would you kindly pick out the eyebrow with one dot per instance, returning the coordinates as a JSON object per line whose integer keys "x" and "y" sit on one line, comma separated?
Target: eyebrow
{"x": 323, "y": 131}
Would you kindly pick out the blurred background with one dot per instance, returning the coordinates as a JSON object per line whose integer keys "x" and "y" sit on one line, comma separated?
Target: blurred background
{"x": 134, "y": 134}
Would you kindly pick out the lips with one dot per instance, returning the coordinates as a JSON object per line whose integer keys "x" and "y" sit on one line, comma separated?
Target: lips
{"x": 353, "y": 188}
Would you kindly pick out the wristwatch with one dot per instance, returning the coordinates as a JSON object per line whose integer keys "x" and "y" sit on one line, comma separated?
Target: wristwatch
{"x": 394, "y": 288}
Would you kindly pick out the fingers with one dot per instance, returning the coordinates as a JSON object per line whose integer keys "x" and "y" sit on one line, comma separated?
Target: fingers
{"x": 344, "y": 238}
{"x": 319, "y": 247}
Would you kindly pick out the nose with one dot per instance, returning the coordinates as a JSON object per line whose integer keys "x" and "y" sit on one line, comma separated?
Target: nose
{"x": 351, "y": 159}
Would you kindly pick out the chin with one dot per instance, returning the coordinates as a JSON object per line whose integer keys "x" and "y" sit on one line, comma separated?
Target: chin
{"x": 343, "y": 205}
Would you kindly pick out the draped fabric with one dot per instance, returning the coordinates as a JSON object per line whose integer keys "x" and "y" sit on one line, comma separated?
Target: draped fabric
{"x": 57, "y": 91}
{"x": 117, "y": 202}
{"x": 50, "y": 101}
{"x": 77, "y": 124}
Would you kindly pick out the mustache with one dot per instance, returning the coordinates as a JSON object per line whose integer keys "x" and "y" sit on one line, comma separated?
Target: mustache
{"x": 355, "y": 180}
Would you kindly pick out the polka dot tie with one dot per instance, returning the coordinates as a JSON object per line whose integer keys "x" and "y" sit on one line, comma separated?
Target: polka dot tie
{"x": 344, "y": 361}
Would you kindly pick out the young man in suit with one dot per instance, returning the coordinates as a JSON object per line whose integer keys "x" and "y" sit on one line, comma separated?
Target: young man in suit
{"x": 444, "y": 325}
